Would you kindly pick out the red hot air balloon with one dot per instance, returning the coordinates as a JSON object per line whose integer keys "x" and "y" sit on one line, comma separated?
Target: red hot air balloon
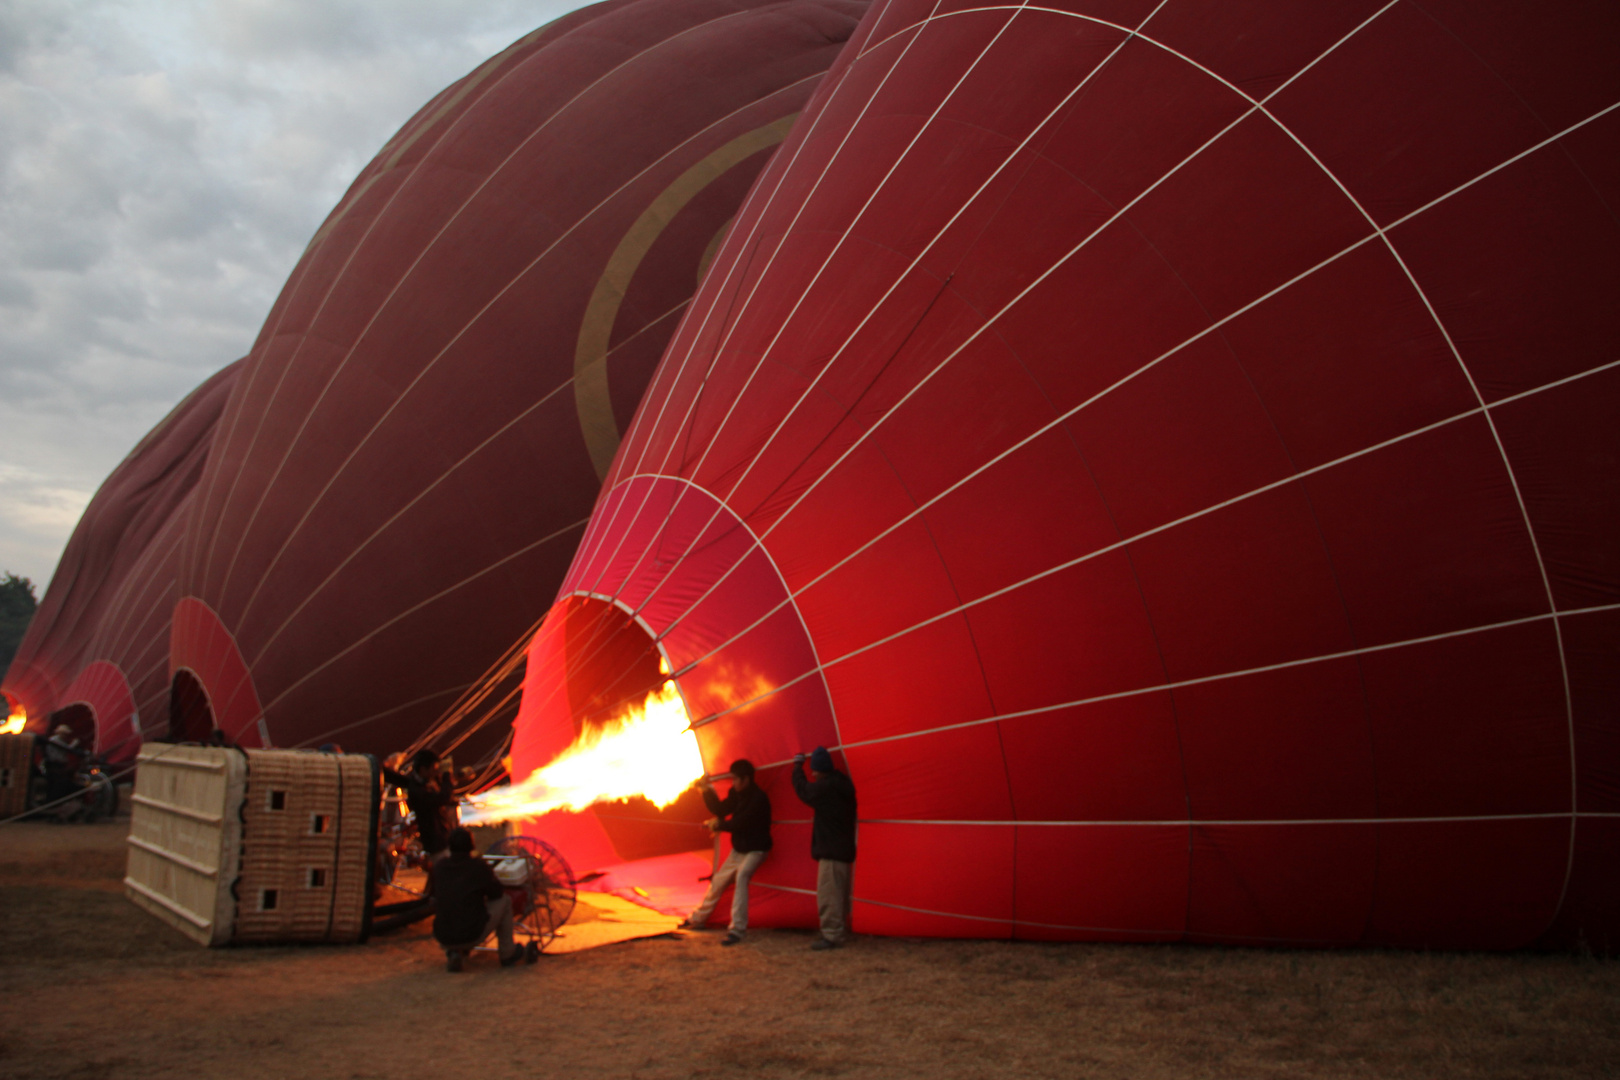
{"x": 1167, "y": 450}
{"x": 95, "y": 655}
{"x": 410, "y": 455}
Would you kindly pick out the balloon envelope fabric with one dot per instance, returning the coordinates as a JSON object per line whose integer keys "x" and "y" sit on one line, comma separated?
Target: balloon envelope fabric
{"x": 95, "y": 655}
{"x": 1167, "y": 449}
{"x": 409, "y": 457}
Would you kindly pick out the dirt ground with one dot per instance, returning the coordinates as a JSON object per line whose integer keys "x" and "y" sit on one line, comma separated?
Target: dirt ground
{"x": 92, "y": 987}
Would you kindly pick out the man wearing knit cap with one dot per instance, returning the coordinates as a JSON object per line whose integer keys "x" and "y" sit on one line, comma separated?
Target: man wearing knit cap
{"x": 831, "y": 794}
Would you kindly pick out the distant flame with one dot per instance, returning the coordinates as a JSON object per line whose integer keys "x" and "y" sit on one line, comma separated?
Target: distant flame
{"x": 14, "y": 723}
{"x": 650, "y": 751}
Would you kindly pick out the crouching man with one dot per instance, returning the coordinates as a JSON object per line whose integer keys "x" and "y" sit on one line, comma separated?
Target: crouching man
{"x": 469, "y": 903}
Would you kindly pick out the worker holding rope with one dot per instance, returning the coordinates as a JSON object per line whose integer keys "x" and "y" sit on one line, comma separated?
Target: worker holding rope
{"x": 432, "y": 799}
{"x": 831, "y": 794}
{"x": 745, "y": 813}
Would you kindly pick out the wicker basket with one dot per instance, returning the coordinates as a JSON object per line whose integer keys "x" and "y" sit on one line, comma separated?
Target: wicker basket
{"x": 283, "y": 842}
{"x": 16, "y": 763}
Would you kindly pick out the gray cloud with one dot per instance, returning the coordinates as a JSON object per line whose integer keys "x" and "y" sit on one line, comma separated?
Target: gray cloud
{"x": 162, "y": 165}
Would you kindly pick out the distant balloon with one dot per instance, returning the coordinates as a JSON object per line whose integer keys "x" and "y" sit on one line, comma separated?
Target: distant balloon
{"x": 1169, "y": 450}
{"x": 95, "y": 656}
{"x": 409, "y": 457}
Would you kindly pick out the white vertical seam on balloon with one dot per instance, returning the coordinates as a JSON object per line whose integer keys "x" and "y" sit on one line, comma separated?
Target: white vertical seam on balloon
{"x": 144, "y": 662}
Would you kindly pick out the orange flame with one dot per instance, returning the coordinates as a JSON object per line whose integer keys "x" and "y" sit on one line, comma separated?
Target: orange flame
{"x": 650, "y": 751}
{"x": 14, "y": 723}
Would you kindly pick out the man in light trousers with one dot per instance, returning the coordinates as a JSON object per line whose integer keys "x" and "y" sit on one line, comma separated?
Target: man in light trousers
{"x": 745, "y": 813}
{"x": 831, "y": 794}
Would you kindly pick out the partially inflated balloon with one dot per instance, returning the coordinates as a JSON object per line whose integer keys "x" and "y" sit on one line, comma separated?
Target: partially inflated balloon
{"x": 1168, "y": 451}
{"x": 95, "y": 656}
{"x": 407, "y": 462}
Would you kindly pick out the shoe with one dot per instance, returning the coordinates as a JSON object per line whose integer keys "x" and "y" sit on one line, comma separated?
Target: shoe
{"x": 687, "y": 924}
{"x": 453, "y": 962}
{"x": 519, "y": 956}
{"x": 730, "y": 939}
{"x": 822, "y": 943}
{"x": 531, "y": 952}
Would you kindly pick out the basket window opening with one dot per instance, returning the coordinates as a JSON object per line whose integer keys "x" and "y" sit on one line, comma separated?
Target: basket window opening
{"x": 5, "y": 778}
{"x": 317, "y": 878}
{"x": 318, "y": 823}
{"x": 278, "y": 800}
{"x": 268, "y": 899}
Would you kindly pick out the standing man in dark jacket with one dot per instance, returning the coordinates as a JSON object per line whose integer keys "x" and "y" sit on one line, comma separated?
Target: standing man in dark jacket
{"x": 432, "y": 799}
{"x": 832, "y": 840}
{"x": 745, "y": 813}
{"x": 469, "y": 902}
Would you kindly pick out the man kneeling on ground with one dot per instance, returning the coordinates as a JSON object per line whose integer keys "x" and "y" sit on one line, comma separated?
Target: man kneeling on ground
{"x": 469, "y": 903}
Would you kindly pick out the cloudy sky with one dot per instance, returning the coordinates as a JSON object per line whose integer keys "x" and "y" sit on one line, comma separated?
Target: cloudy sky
{"x": 162, "y": 165}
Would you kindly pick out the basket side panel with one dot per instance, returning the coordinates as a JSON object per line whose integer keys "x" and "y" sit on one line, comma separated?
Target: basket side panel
{"x": 182, "y": 838}
{"x": 291, "y": 824}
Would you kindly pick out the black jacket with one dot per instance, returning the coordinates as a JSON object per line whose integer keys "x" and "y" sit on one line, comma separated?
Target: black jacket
{"x": 429, "y": 802}
{"x": 745, "y": 813}
{"x": 832, "y": 834}
{"x": 459, "y": 886}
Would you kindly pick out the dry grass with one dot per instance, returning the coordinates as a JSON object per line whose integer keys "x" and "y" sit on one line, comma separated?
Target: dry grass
{"x": 91, "y": 987}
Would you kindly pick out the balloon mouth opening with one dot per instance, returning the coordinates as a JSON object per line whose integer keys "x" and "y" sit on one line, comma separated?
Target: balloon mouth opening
{"x": 633, "y": 755}
{"x": 191, "y": 714}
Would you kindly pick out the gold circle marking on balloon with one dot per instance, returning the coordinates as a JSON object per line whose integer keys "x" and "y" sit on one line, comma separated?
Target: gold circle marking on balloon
{"x": 591, "y": 395}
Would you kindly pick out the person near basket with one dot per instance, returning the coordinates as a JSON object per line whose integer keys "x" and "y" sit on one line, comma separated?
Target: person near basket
{"x": 469, "y": 904}
{"x": 831, "y": 794}
{"x": 745, "y": 813}
{"x": 432, "y": 799}
{"x": 63, "y": 756}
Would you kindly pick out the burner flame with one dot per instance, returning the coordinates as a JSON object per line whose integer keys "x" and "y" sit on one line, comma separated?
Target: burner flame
{"x": 650, "y": 751}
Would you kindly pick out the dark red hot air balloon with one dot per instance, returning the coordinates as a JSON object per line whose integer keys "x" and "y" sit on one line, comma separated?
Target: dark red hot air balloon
{"x": 96, "y": 653}
{"x": 410, "y": 455}
{"x": 1167, "y": 450}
